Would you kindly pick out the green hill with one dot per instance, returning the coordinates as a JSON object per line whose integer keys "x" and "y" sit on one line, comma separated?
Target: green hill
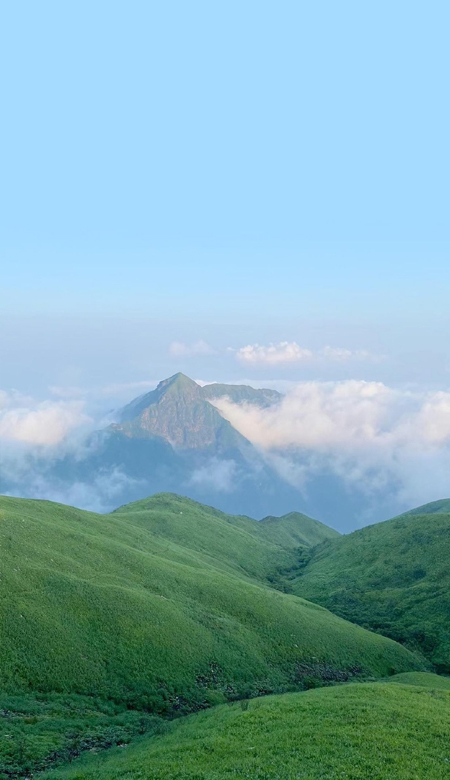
{"x": 435, "y": 507}
{"x": 295, "y": 530}
{"x": 392, "y": 577}
{"x": 102, "y": 605}
{"x": 228, "y": 542}
{"x": 374, "y": 730}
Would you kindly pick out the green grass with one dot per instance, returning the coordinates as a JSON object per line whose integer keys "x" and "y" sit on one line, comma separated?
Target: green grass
{"x": 435, "y": 507}
{"x": 99, "y": 605}
{"x": 295, "y": 530}
{"x": 371, "y": 731}
{"x": 232, "y": 542}
{"x": 424, "y": 679}
{"x": 39, "y": 731}
{"x": 393, "y": 577}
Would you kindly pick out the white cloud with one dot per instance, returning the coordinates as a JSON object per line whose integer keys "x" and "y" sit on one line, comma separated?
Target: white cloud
{"x": 369, "y": 435}
{"x": 217, "y": 474}
{"x": 39, "y": 423}
{"x": 274, "y": 354}
{"x": 290, "y": 352}
{"x": 180, "y": 349}
{"x": 342, "y": 355}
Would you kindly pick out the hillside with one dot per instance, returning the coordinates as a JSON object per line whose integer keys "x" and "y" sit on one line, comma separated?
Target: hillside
{"x": 228, "y": 542}
{"x": 354, "y": 732}
{"x": 295, "y": 529}
{"x": 392, "y": 577}
{"x": 435, "y": 507}
{"x": 104, "y": 605}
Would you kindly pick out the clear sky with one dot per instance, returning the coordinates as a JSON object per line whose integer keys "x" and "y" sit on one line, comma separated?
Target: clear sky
{"x": 233, "y": 173}
{"x": 243, "y": 191}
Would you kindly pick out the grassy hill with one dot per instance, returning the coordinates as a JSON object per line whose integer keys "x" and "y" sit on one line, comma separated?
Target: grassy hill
{"x": 435, "y": 507}
{"x": 392, "y": 577}
{"x": 358, "y": 731}
{"x": 102, "y": 605}
{"x": 295, "y": 530}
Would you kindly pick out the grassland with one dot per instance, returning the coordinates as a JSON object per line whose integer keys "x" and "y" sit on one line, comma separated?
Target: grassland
{"x": 109, "y": 623}
{"x": 392, "y": 577}
{"x": 295, "y": 530}
{"x": 99, "y": 605}
{"x": 370, "y": 731}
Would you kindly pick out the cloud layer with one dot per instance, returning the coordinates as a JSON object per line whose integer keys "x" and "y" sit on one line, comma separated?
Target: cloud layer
{"x": 371, "y": 436}
{"x": 44, "y": 423}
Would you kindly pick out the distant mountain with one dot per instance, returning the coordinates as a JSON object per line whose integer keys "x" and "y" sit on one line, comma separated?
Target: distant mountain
{"x": 176, "y": 439}
{"x": 242, "y": 394}
{"x": 392, "y": 577}
{"x": 179, "y": 413}
{"x": 173, "y": 439}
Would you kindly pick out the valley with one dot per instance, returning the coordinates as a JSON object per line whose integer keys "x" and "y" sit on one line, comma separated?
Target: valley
{"x": 114, "y": 626}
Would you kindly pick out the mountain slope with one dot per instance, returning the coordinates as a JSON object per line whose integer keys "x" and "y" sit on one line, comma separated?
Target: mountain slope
{"x": 435, "y": 507}
{"x": 103, "y": 605}
{"x": 229, "y": 542}
{"x": 392, "y": 577}
{"x": 242, "y": 394}
{"x": 173, "y": 439}
{"x": 178, "y": 413}
{"x": 295, "y": 529}
{"x": 354, "y": 732}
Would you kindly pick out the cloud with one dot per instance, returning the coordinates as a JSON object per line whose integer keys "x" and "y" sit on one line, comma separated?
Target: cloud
{"x": 44, "y": 423}
{"x": 373, "y": 437}
{"x": 290, "y": 352}
{"x": 274, "y": 354}
{"x": 216, "y": 474}
{"x": 180, "y": 349}
{"x": 342, "y": 355}
{"x": 101, "y": 494}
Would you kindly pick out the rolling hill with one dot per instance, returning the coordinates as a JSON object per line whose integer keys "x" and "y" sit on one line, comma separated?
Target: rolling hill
{"x": 114, "y": 606}
{"x": 356, "y": 732}
{"x": 295, "y": 530}
{"x": 392, "y": 577}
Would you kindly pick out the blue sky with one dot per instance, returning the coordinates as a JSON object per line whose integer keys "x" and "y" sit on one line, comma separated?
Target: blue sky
{"x": 228, "y": 172}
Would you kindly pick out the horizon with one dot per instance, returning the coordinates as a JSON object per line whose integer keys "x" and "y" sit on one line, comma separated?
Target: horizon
{"x": 247, "y": 195}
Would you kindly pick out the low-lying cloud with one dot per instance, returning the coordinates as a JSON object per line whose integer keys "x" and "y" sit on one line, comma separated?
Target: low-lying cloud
{"x": 371, "y": 436}
{"x": 45, "y": 423}
{"x": 216, "y": 474}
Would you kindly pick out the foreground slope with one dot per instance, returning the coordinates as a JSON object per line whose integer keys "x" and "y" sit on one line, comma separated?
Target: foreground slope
{"x": 359, "y": 731}
{"x": 392, "y": 577}
{"x": 102, "y": 605}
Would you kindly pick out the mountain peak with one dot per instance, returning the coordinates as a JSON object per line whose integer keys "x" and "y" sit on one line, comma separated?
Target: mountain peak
{"x": 179, "y": 382}
{"x": 177, "y": 412}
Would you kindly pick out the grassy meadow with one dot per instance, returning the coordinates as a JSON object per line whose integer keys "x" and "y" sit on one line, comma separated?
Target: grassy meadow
{"x": 114, "y": 626}
{"x": 393, "y": 577}
{"x": 376, "y": 731}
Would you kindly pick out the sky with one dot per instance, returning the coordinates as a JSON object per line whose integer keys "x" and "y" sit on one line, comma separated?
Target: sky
{"x": 244, "y": 191}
